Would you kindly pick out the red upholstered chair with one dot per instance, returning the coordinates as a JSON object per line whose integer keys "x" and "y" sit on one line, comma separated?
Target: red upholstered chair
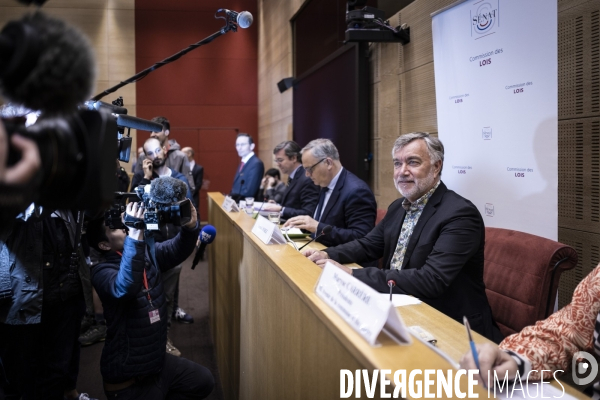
{"x": 521, "y": 275}
{"x": 380, "y": 215}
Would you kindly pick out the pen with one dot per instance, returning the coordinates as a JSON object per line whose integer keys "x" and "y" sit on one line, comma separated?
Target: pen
{"x": 473, "y": 348}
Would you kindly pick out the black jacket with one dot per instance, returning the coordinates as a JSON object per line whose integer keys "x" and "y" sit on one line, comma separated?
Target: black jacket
{"x": 443, "y": 264}
{"x": 134, "y": 347}
{"x": 351, "y": 210}
{"x": 301, "y": 196}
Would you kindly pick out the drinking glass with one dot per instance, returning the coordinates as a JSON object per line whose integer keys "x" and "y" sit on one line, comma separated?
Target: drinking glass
{"x": 249, "y": 205}
{"x": 274, "y": 217}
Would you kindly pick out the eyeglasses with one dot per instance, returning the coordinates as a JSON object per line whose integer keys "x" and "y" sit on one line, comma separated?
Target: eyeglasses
{"x": 279, "y": 160}
{"x": 310, "y": 170}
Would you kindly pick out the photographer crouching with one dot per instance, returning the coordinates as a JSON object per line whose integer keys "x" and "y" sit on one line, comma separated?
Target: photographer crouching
{"x": 134, "y": 363}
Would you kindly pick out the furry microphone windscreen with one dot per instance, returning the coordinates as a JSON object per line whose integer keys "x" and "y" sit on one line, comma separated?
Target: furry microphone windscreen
{"x": 167, "y": 190}
{"x": 51, "y": 65}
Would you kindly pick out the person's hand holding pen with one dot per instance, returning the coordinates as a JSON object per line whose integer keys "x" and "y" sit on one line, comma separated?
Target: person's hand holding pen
{"x": 490, "y": 358}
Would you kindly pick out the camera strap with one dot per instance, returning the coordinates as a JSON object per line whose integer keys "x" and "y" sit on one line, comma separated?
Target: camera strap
{"x": 74, "y": 266}
{"x": 153, "y": 314}
{"x": 151, "y": 248}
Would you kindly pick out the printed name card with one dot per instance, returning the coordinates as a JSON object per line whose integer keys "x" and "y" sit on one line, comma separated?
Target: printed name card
{"x": 267, "y": 232}
{"x": 360, "y": 306}
{"x": 230, "y": 205}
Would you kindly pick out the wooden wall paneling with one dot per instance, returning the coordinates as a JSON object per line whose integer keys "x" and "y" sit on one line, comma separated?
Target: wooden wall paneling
{"x": 388, "y": 123}
{"x": 275, "y": 320}
{"x": 121, "y": 4}
{"x": 579, "y": 63}
{"x": 579, "y": 137}
{"x": 418, "y": 17}
{"x": 418, "y": 100}
{"x": 225, "y": 305}
{"x": 587, "y": 246}
{"x": 579, "y": 174}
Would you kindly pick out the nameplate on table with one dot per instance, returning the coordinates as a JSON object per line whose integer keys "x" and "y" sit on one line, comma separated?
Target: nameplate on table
{"x": 267, "y": 232}
{"x": 230, "y": 205}
{"x": 360, "y": 306}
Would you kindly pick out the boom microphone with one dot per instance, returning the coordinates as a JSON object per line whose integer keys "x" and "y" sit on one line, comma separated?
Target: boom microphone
{"x": 325, "y": 231}
{"x": 45, "y": 64}
{"x": 128, "y": 121}
{"x": 167, "y": 190}
{"x": 207, "y": 235}
{"x": 244, "y": 19}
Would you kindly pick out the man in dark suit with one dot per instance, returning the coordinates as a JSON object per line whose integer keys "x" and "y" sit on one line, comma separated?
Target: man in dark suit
{"x": 250, "y": 171}
{"x": 345, "y": 201}
{"x": 197, "y": 173}
{"x": 301, "y": 195}
{"x": 431, "y": 240}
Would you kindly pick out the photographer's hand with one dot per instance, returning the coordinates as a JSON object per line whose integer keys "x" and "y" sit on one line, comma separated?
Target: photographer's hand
{"x": 147, "y": 166}
{"x": 23, "y": 171}
{"x": 192, "y": 223}
{"x": 136, "y": 210}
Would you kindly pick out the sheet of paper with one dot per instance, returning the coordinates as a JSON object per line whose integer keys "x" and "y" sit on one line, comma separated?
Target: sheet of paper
{"x": 293, "y": 231}
{"x": 399, "y": 300}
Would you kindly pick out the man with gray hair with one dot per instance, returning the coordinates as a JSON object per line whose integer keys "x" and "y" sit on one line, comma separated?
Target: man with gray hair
{"x": 345, "y": 202}
{"x": 431, "y": 240}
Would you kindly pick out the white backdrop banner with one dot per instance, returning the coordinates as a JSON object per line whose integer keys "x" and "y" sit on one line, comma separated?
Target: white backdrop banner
{"x": 497, "y": 107}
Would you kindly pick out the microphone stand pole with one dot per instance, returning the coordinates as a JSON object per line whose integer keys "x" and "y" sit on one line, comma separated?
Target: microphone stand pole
{"x": 230, "y": 25}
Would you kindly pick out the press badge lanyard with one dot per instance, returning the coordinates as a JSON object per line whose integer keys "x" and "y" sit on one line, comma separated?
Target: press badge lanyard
{"x": 153, "y": 314}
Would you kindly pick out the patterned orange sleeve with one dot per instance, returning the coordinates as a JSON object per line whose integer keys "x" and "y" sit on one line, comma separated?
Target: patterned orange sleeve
{"x": 550, "y": 343}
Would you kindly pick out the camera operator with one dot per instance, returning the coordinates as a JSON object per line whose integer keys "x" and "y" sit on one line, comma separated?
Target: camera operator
{"x": 155, "y": 166}
{"x": 134, "y": 362}
{"x": 42, "y": 306}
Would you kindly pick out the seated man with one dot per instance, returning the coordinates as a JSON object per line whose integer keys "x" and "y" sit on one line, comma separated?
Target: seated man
{"x": 301, "y": 195}
{"x": 431, "y": 240}
{"x": 345, "y": 202}
{"x": 134, "y": 363}
{"x": 549, "y": 345}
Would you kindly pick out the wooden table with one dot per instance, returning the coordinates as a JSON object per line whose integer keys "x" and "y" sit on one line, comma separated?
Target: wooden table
{"x": 276, "y": 339}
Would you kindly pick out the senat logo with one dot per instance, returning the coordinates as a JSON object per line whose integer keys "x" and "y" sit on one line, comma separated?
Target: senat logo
{"x": 486, "y": 133}
{"x": 489, "y": 209}
{"x": 484, "y": 18}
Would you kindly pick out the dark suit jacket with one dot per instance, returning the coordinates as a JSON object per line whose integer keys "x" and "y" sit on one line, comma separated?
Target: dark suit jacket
{"x": 351, "y": 211}
{"x": 301, "y": 196}
{"x": 198, "y": 175}
{"x": 443, "y": 264}
{"x": 251, "y": 174}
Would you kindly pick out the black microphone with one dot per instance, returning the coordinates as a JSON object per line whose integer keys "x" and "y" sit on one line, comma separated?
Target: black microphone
{"x": 263, "y": 203}
{"x": 207, "y": 235}
{"x": 167, "y": 190}
{"x": 391, "y": 280}
{"x": 325, "y": 231}
{"x": 244, "y": 19}
{"x": 391, "y": 284}
{"x": 45, "y": 64}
